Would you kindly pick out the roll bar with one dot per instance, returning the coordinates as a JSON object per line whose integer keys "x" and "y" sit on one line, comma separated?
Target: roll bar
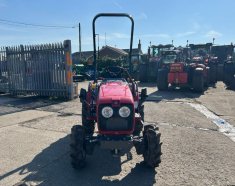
{"x": 94, "y": 37}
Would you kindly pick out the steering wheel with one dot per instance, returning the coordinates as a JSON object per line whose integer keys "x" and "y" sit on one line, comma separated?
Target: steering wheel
{"x": 114, "y": 72}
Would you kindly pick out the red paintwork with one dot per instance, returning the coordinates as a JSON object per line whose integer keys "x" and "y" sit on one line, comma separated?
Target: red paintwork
{"x": 177, "y": 78}
{"x": 177, "y": 67}
{"x": 129, "y": 132}
{"x": 115, "y": 92}
{"x": 177, "y": 74}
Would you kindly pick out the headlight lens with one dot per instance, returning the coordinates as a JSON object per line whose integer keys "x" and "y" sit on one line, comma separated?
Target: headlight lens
{"x": 107, "y": 112}
{"x": 124, "y": 112}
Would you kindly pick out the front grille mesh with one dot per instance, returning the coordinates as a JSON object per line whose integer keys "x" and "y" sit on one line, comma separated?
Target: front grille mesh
{"x": 116, "y": 124}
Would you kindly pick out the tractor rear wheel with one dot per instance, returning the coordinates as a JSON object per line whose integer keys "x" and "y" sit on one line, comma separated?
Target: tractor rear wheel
{"x": 220, "y": 72}
{"x": 162, "y": 82}
{"x": 198, "y": 80}
{"x": 229, "y": 72}
{"x": 89, "y": 125}
{"x": 77, "y": 147}
{"x": 152, "y": 146}
{"x": 207, "y": 78}
{"x": 143, "y": 73}
{"x": 213, "y": 74}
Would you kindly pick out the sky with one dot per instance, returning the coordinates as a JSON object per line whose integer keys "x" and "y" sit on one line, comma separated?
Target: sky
{"x": 156, "y": 21}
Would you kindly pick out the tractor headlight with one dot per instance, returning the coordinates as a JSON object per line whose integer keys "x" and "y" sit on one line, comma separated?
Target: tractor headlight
{"x": 107, "y": 112}
{"x": 124, "y": 112}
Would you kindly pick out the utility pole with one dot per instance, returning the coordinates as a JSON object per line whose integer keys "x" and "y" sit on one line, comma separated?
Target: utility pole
{"x": 80, "y": 45}
{"x": 213, "y": 41}
{"x": 105, "y": 38}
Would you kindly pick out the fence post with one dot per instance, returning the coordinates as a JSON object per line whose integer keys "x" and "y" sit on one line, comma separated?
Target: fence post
{"x": 23, "y": 67}
{"x": 68, "y": 68}
{"x": 8, "y": 70}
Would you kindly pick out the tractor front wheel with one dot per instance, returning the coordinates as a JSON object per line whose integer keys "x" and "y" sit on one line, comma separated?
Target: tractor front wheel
{"x": 162, "y": 82}
{"x": 89, "y": 125}
{"x": 152, "y": 146}
{"x": 77, "y": 147}
{"x": 139, "y": 124}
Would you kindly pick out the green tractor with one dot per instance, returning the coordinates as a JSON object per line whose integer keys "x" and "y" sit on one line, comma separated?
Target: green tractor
{"x": 149, "y": 69}
{"x": 78, "y": 72}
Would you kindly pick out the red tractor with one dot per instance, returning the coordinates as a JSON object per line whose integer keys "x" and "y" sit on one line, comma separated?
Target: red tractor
{"x": 115, "y": 105}
{"x": 201, "y": 54}
{"x": 178, "y": 72}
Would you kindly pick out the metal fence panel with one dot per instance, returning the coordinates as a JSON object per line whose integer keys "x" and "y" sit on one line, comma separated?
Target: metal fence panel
{"x": 4, "y": 85}
{"x": 43, "y": 70}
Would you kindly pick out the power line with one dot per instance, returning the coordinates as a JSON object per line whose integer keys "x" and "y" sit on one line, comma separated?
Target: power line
{"x": 16, "y": 23}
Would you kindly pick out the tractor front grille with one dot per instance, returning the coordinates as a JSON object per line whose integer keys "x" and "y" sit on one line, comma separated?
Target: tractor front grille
{"x": 116, "y": 122}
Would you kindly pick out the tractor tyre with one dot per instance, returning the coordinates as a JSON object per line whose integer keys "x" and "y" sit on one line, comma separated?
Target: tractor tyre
{"x": 220, "y": 72}
{"x": 229, "y": 72}
{"x": 139, "y": 124}
{"x": 232, "y": 85}
{"x": 213, "y": 74}
{"x": 152, "y": 146}
{"x": 138, "y": 128}
{"x": 77, "y": 147}
{"x": 198, "y": 80}
{"x": 143, "y": 77}
{"x": 89, "y": 125}
{"x": 142, "y": 112}
{"x": 162, "y": 81}
{"x": 207, "y": 78}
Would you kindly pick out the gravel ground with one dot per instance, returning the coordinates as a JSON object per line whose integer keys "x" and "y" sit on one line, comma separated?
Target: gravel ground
{"x": 34, "y": 142}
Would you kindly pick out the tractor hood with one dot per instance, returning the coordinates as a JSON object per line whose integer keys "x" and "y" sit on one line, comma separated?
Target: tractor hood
{"x": 115, "y": 91}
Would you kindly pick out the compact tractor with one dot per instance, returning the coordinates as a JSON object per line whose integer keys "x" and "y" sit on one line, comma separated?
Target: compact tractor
{"x": 180, "y": 72}
{"x": 114, "y": 104}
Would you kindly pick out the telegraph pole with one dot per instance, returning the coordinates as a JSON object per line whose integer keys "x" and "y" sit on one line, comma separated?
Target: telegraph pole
{"x": 105, "y": 38}
{"x": 80, "y": 45}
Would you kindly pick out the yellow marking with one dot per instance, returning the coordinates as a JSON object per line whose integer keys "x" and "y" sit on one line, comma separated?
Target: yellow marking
{"x": 93, "y": 85}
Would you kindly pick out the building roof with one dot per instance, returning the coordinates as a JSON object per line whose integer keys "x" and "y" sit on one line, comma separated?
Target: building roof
{"x": 84, "y": 54}
{"x": 107, "y": 51}
{"x": 120, "y": 51}
{"x": 134, "y": 51}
